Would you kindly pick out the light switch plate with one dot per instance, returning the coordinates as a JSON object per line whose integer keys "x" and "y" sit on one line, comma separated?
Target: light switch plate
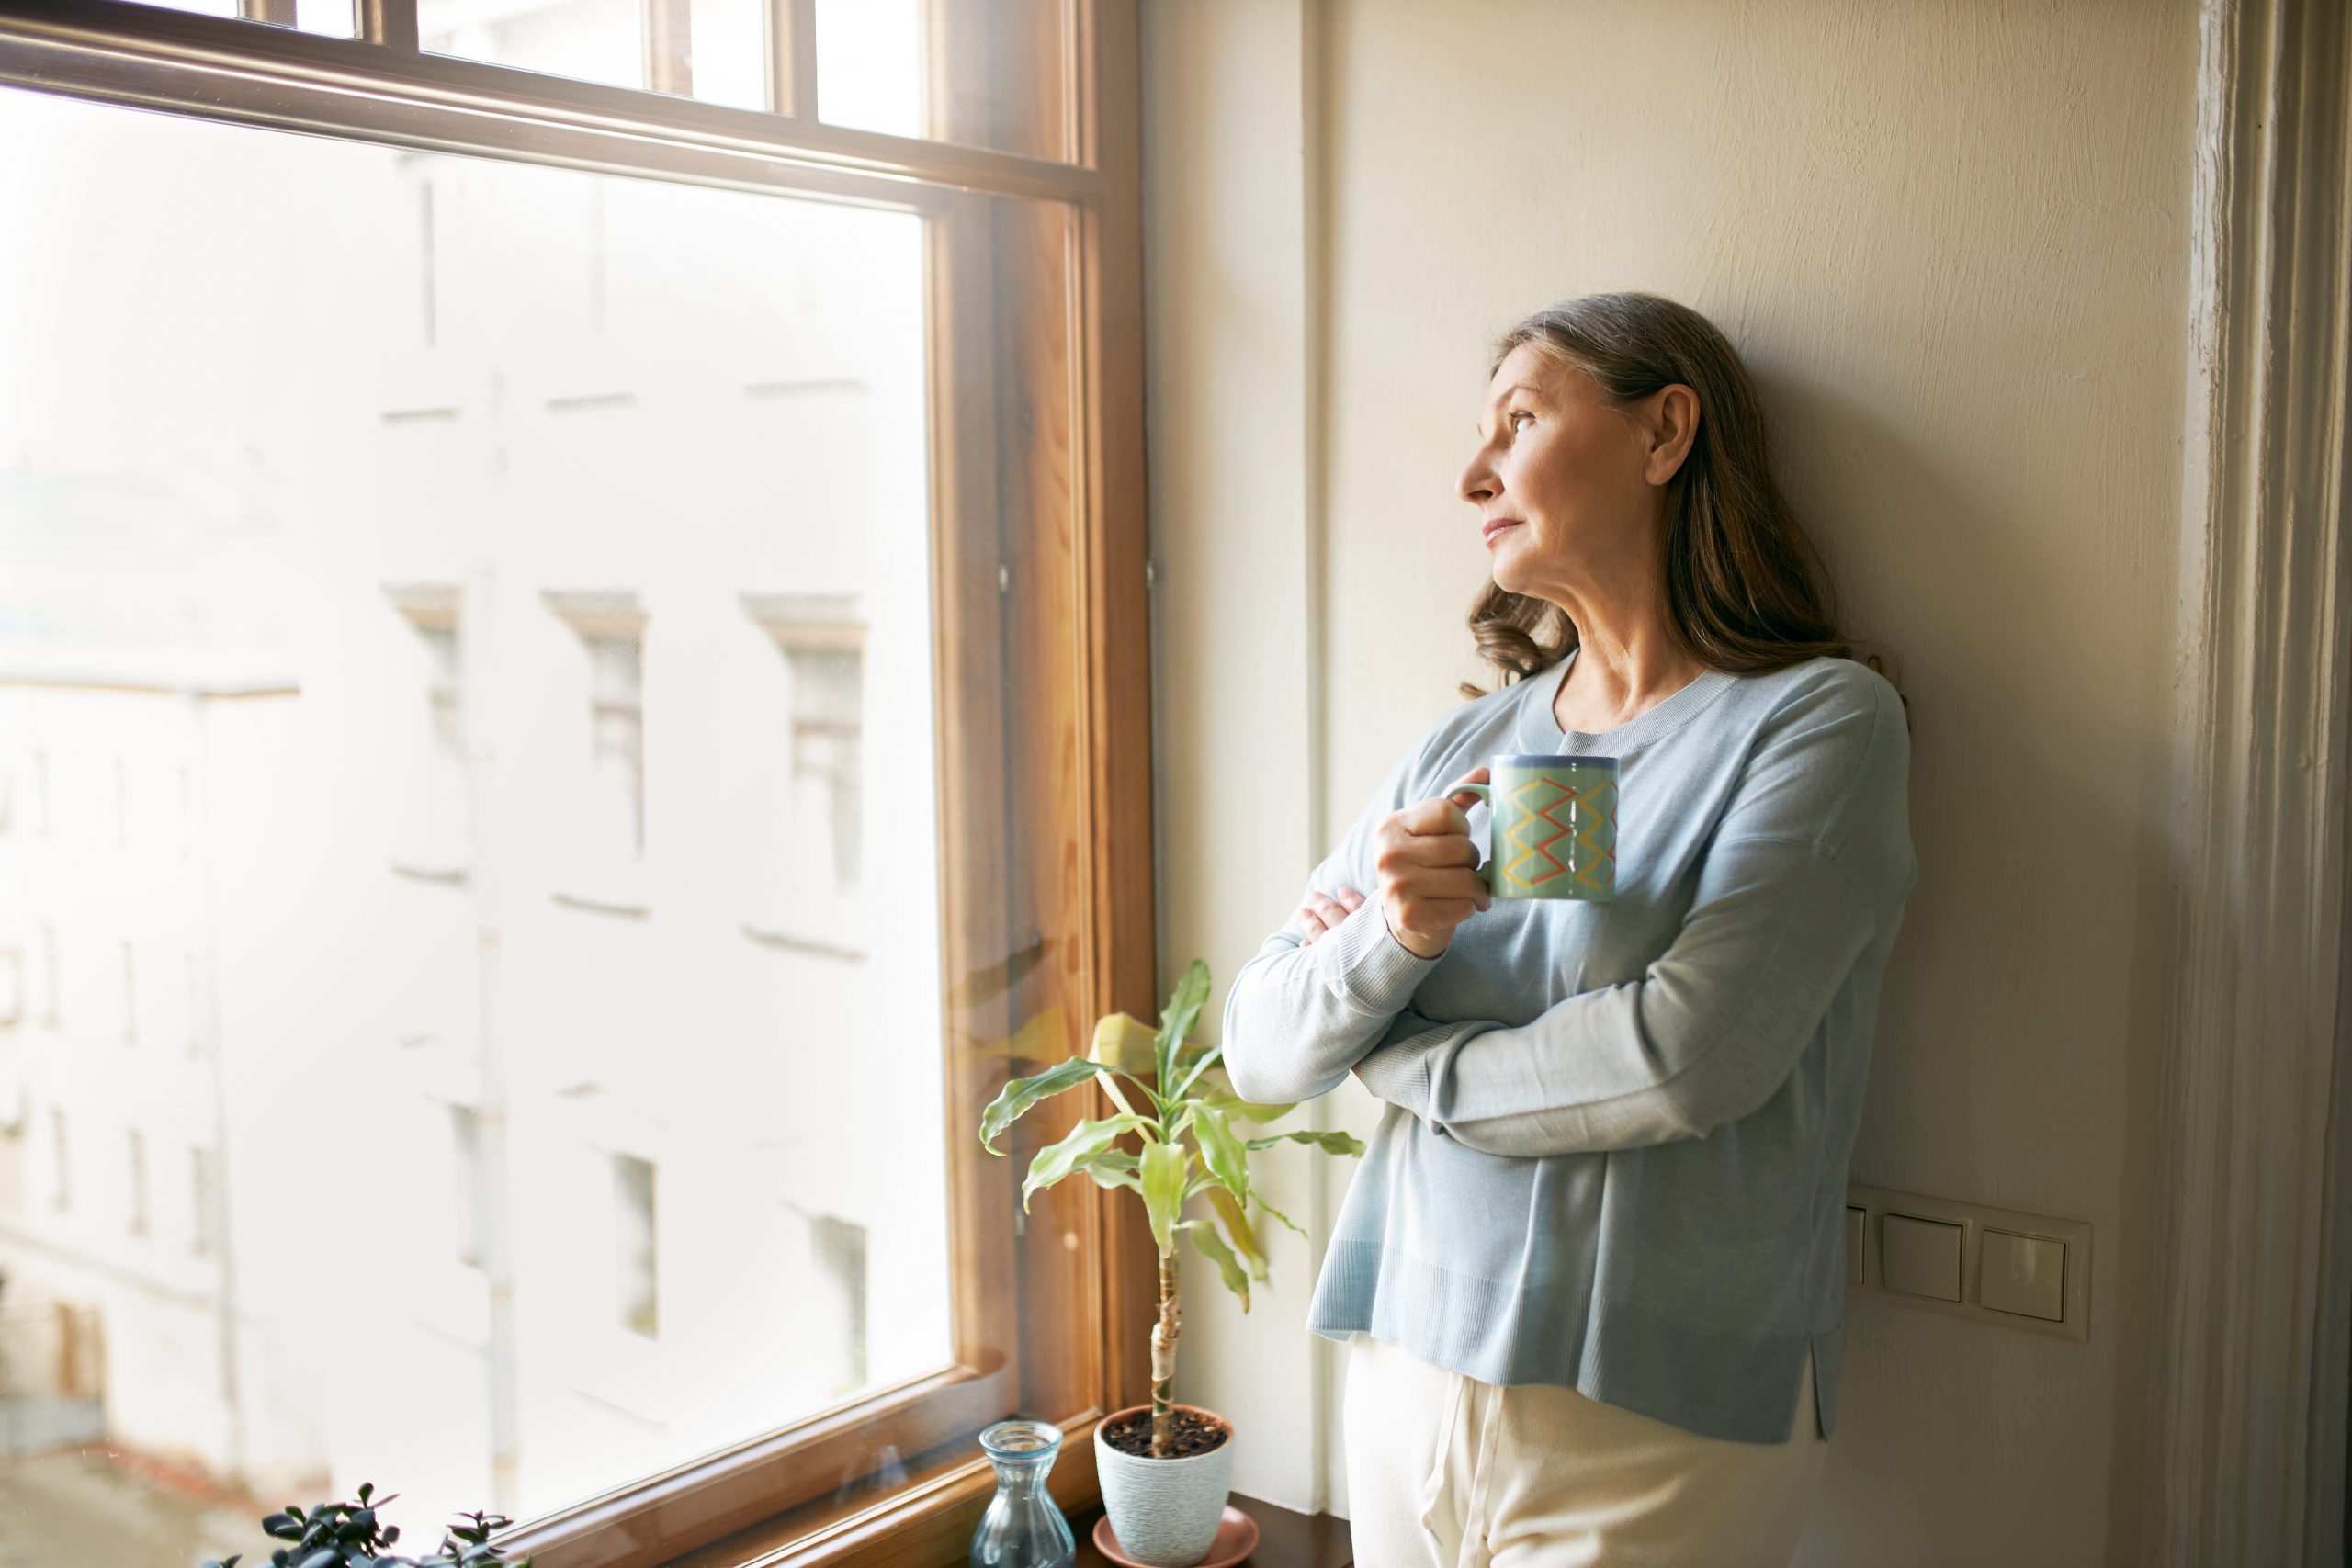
{"x": 2017, "y": 1289}
{"x": 2022, "y": 1274}
{"x": 1919, "y": 1257}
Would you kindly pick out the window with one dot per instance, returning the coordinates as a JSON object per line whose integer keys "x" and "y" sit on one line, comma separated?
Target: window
{"x": 204, "y": 1203}
{"x": 40, "y": 794}
{"x": 821, "y": 825}
{"x": 609, "y": 807}
{"x": 465, "y": 1183}
{"x": 636, "y": 1258}
{"x": 837, "y": 1249}
{"x": 61, "y": 1187}
{"x": 135, "y": 1173}
{"x": 435, "y": 836}
{"x": 632, "y": 366}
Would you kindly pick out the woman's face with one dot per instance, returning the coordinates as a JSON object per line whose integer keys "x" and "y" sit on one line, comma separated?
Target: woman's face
{"x": 1560, "y": 478}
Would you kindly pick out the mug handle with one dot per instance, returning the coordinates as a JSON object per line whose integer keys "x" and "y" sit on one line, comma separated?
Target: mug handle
{"x": 1485, "y": 870}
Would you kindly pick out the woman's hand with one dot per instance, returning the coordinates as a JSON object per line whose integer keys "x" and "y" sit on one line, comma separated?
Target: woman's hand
{"x": 1320, "y": 914}
{"x": 1426, "y": 862}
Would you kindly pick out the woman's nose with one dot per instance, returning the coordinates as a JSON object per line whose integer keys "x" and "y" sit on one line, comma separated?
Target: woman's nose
{"x": 1478, "y": 482}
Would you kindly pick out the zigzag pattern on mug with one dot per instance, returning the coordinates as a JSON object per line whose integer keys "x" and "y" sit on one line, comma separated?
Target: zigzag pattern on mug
{"x": 1600, "y": 811}
{"x": 1538, "y": 848}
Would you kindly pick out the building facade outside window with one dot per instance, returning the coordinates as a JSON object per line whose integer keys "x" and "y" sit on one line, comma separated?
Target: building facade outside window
{"x": 468, "y": 854}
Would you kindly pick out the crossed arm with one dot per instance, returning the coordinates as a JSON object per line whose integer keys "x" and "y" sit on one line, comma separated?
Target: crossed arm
{"x": 1792, "y": 893}
{"x": 1706, "y": 1035}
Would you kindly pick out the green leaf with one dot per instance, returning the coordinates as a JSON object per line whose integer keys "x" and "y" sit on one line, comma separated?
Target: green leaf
{"x": 1330, "y": 1142}
{"x": 1058, "y": 1160}
{"x": 1182, "y": 1011}
{"x": 1206, "y": 1243}
{"x": 1124, "y": 1043}
{"x": 1238, "y": 1109}
{"x": 1162, "y": 1175}
{"x": 1014, "y": 1100}
{"x": 1221, "y": 1151}
{"x": 1238, "y": 1228}
{"x": 1265, "y": 1207}
{"x": 1204, "y": 1064}
{"x": 1113, "y": 1167}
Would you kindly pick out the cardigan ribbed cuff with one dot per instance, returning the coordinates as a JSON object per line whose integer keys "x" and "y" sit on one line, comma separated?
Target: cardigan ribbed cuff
{"x": 1372, "y": 969}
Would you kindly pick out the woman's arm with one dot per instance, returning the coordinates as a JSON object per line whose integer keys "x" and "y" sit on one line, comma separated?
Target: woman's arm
{"x": 1314, "y": 999}
{"x": 1298, "y": 1017}
{"x": 1812, "y": 862}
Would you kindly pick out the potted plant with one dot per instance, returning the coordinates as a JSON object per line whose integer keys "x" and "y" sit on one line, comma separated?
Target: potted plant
{"x": 1165, "y": 1467}
{"x": 349, "y": 1535}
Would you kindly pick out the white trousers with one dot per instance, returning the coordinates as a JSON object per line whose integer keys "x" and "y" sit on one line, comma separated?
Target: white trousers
{"x": 1446, "y": 1472}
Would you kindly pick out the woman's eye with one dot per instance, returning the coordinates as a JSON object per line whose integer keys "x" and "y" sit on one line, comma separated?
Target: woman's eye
{"x": 1517, "y": 416}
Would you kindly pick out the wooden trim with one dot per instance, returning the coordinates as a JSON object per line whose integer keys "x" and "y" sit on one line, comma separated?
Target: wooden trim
{"x": 669, "y": 47}
{"x": 276, "y": 13}
{"x": 1117, "y": 616}
{"x": 792, "y": 58}
{"x": 387, "y": 24}
{"x": 720, "y": 1494}
{"x": 1043, "y": 701}
{"x": 382, "y": 90}
{"x": 2245, "y": 1457}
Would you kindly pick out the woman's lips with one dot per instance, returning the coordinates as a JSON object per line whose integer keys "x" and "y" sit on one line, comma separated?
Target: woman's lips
{"x": 1496, "y": 525}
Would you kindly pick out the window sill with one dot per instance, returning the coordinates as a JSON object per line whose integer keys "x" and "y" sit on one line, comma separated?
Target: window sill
{"x": 768, "y": 935}
{"x": 626, "y": 900}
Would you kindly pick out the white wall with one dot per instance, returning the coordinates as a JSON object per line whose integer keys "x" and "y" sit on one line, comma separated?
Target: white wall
{"x": 1952, "y": 240}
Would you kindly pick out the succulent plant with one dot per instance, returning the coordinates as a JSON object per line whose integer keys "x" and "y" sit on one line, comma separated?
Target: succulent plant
{"x": 349, "y": 1535}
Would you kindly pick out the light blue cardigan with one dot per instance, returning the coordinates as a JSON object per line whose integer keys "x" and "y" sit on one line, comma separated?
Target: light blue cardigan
{"x": 1614, "y": 1152}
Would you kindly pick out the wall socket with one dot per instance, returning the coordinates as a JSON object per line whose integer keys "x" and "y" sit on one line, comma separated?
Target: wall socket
{"x": 1995, "y": 1266}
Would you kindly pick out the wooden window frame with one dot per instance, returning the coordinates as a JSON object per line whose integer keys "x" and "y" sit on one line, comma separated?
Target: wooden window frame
{"x": 1040, "y": 540}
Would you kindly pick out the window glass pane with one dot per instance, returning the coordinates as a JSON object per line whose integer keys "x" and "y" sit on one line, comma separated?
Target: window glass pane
{"x": 730, "y": 51}
{"x": 596, "y": 40}
{"x": 333, "y": 18}
{"x": 983, "y": 73}
{"x": 869, "y": 64}
{"x": 514, "y": 627}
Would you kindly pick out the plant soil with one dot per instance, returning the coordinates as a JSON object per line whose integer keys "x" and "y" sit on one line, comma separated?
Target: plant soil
{"x": 1193, "y": 1434}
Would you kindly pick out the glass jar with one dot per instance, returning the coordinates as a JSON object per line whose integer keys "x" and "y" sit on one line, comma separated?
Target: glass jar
{"x": 1022, "y": 1528}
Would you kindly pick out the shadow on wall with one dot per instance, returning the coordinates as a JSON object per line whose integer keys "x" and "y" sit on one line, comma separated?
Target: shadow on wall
{"x": 1944, "y": 571}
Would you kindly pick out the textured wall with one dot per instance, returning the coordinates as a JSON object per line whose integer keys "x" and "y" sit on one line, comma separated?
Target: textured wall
{"x": 1952, "y": 240}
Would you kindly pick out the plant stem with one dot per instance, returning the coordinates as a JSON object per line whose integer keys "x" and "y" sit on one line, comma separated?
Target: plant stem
{"x": 1163, "y": 1358}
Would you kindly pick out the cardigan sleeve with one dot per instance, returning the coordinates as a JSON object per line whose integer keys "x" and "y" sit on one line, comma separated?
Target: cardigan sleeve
{"x": 1811, "y": 865}
{"x": 1299, "y": 1016}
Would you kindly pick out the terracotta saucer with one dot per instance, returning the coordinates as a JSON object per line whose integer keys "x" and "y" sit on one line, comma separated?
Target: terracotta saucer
{"x": 1237, "y": 1538}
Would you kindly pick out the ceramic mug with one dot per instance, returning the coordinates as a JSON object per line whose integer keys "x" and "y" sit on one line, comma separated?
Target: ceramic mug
{"x": 1554, "y": 827}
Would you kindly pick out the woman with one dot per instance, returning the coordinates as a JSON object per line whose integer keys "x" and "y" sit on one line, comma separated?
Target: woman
{"x": 1592, "y": 1268}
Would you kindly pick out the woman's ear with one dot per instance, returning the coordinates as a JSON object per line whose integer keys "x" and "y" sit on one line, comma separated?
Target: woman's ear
{"x": 1673, "y": 424}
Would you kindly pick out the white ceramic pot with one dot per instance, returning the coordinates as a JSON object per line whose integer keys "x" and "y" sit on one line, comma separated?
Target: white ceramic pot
{"x": 1165, "y": 1511}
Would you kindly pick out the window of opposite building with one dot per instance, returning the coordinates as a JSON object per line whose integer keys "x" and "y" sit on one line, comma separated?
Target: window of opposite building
{"x": 135, "y": 1181}
{"x": 61, "y": 1158}
{"x": 434, "y": 832}
{"x": 204, "y": 1203}
{"x": 638, "y": 1271}
{"x": 442, "y": 456}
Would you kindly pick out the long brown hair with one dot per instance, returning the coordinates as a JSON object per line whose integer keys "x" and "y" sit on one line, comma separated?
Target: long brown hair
{"x": 1745, "y": 587}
